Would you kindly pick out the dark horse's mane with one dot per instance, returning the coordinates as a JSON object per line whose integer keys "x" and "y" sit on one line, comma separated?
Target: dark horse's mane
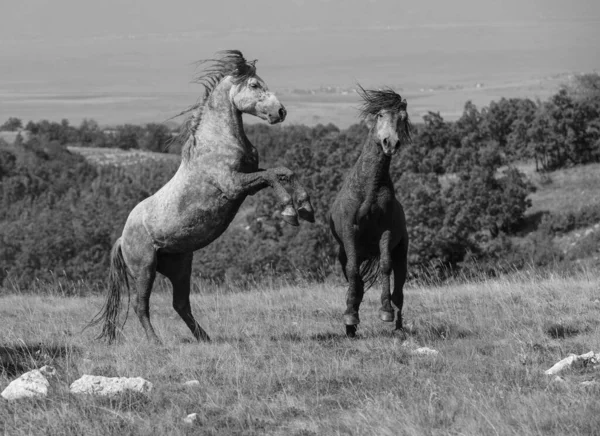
{"x": 228, "y": 63}
{"x": 375, "y": 101}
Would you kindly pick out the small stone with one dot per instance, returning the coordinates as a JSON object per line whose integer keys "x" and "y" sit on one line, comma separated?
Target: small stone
{"x": 192, "y": 383}
{"x": 109, "y": 386}
{"x": 425, "y": 351}
{"x": 589, "y": 384}
{"x": 191, "y": 418}
{"x": 409, "y": 343}
{"x": 32, "y": 384}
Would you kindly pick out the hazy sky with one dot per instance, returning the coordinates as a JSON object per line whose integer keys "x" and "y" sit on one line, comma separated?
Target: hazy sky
{"x": 132, "y": 59}
{"x": 28, "y": 19}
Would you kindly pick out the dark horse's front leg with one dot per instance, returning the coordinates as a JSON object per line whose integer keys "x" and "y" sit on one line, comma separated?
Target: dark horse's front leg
{"x": 251, "y": 183}
{"x": 351, "y": 264}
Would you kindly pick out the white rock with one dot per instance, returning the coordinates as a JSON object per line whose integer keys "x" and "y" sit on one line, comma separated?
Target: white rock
{"x": 29, "y": 385}
{"x": 589, "y": 383}
{"x": 191, "y": 418}
{"x": 425, "y": 351}
{"x": 192, "y": 383}
{"x": 567, "y": 362}
{"x": 109, "y": 386}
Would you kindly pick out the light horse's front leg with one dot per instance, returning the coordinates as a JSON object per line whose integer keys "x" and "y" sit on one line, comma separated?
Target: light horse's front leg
{"x": 251, "y": 183}
{"x": 305, "y": 209}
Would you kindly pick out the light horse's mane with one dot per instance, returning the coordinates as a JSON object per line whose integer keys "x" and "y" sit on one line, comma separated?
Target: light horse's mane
{"x": 228, "y": 63}
{"x": 383, "y": 99}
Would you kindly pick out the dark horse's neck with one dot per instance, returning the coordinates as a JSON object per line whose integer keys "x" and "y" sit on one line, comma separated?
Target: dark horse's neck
{"x": 373, "y": 166}
{"x": 373, "y": 173}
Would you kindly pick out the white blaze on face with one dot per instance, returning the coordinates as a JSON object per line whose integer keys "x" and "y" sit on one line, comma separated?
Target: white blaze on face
{"x": 254, "y": 98}
{"x": 386, "y": 131}
{"x": 390, "y": 129}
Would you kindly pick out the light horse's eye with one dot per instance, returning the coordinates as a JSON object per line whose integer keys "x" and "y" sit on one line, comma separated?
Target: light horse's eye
{"x": 254, "y": 85}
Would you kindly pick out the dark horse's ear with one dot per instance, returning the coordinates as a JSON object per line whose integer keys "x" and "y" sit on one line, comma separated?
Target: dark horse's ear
{"x": 370, "y": 120}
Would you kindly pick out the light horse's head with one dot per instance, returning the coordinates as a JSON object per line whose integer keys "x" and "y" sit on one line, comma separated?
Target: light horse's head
{"x": 252, "y": 96}
{"x": 384, "y": 111}
{"x": 246, "y": 91}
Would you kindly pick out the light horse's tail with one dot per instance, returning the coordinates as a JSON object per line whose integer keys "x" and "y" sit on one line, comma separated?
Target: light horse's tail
{"x": 117, "y": 279}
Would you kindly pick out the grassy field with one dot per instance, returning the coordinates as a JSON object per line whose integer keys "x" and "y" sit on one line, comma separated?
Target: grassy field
{"x": 563, "y": 190}
{"x": 280, "y": 365}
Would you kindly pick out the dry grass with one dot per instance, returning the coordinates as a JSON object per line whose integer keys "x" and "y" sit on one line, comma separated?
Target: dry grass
{"x": 564, "y": 190}
{"x": 279, "y": 364}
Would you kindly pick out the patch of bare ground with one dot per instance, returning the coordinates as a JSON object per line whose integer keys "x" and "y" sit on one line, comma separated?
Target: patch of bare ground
{"x": 279, "y": 363}
{"x": 119, "y": 157}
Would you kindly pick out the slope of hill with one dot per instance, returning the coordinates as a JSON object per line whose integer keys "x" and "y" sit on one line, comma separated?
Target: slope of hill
{"x": 564, "y": 190}
{"x": 280, "y": 365}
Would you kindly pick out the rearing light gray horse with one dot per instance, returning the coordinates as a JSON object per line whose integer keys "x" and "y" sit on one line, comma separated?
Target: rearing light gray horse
{"x": 219, "y": 169}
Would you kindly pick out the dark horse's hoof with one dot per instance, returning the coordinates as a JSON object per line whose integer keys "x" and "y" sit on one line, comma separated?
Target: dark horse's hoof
{"x": 351, "y": 331}
{"x": 400, "y": 333}
{"x": 386, "y": 316}
{"x": 306, "y": 212}
{"x": 351, "y": 319}
{"x": 290, "y": 216}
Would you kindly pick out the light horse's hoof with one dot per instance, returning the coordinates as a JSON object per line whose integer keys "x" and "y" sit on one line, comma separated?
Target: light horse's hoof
{"x": 386, "y": 316}
{"x": 306, "y": 212}
{"x": 290, "y": 216}
{"x": 351, "y": 331}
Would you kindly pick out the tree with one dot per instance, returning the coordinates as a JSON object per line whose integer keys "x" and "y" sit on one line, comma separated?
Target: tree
{"x": 156, "y": 137}
{"x": 127, "y": 136}
{"x": 12, "y": 125}
{"x": 429, "y": 147}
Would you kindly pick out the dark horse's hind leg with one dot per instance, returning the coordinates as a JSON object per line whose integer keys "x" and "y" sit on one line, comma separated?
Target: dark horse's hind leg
{"x": 386, "y": 313}
{"x": 178, "y": 269}
{"x": 355, "y": 291}
{"x": 400, "y": 266}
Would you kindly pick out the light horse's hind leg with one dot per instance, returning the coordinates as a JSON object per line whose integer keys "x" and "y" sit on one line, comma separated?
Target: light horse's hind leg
{"x": 386, "y": 313}
{"x": 178, "y": 269}
{"x": 140, "y": 256}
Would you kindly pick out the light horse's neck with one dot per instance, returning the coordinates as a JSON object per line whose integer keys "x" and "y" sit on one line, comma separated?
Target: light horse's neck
{"x": 220, "y": 129}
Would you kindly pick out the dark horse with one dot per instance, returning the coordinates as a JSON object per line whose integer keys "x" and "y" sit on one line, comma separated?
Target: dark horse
{"x": 219, "y": 169}
{"x": 366, "y": 218}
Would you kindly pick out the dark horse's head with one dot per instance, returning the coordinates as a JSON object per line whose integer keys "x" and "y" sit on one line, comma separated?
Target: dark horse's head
{"x": 384, "y": 111}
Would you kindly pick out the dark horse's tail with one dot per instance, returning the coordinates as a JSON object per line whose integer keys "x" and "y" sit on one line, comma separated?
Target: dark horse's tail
{"x": 368, "y": 268}
{"x": 369, "y": 271}
{"x": 117, "y": 279}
